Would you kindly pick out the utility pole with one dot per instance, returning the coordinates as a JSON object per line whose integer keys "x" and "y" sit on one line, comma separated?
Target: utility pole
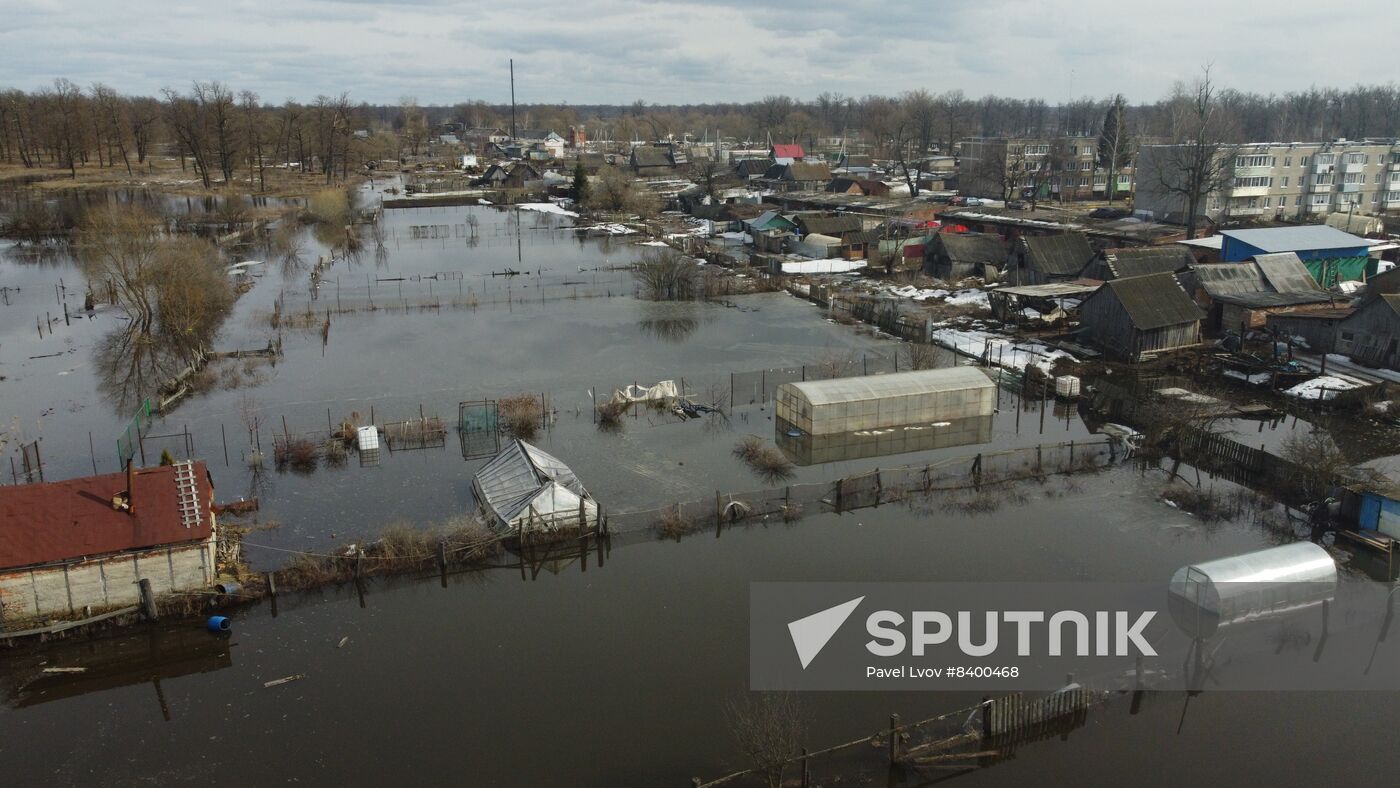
{"x": 512, "y": 99}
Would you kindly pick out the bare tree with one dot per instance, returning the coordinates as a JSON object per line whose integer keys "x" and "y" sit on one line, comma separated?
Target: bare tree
{"x": 1199, "y": 161}
{"x": 1115, "y": 144}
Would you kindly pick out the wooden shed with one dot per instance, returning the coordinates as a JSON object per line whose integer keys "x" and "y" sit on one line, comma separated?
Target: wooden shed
{"x": 1371, "y": 335}
{"x": 954, "y": 256}
{"x": 1040, "y": 259}
{"x": 1138, "y": 316}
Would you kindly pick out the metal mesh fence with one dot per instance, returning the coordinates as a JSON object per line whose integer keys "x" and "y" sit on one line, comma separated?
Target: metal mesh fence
{"x": 978, "y": 475}
{"x": 758, "y": 385}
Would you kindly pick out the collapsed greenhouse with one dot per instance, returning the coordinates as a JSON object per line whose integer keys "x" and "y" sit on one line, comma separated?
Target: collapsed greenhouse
{"x": 529, "y": 492}
{"x": 825, "y": 407}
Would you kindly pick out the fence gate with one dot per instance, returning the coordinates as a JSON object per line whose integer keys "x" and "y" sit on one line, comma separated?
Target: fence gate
{"x": 478, "y": 426}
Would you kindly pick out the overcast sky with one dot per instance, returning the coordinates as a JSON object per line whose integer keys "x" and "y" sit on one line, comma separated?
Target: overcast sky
{"x": 670, "y": 51}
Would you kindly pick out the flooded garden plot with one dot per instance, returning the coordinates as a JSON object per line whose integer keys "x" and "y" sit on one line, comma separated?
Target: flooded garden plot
{"x": 623, "y": 670}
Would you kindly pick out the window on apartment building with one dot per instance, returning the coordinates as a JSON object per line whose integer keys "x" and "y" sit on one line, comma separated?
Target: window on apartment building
{"x": 1254, "y": 182}
{"x": 1354, "y": 177}
{"x": 1069, "y": 166}
{"x": 1298, "y": 200}
{"x": 1269, "y": 201}
{"x": 1037, "y": 150}
{"x": 1083, "y": 180}
{"x": 1285, "y": 181}
{"x": 1254, "y": 161}
{"x": 1323, "y": 179}
{"x": 1085, "y": 166}
{"x": 1325, "y": 159}
{"x": 1394, "y": 177}
{"x": 1357, "y": 158}
{"x": 1124, "y": 180}
{"x": 1288, "y": 161}
{"x": 1302, "y": 161}
{"x": 1319, "y": 199}
{"x": 1378, "y": 178}
{"x": 1215, "y": 203}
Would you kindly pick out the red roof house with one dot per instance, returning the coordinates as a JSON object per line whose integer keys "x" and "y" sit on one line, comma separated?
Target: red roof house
{"x": 97, "y": 516}
{"x": 793, "y": 152}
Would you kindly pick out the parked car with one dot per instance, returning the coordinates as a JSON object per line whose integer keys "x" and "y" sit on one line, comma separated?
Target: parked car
{"x": 1108, "y": 213}
{"x": 973, "y": 202}
{"x": 1017, "y": 205}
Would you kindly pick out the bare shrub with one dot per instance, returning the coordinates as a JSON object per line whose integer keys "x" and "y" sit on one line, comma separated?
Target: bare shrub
{"x": 298, "y": 453}
{"x": 668, "y": 275}
{"x": 610, "y": 414}
{"x": 521, "y": 415}
{"x": 768, "y": 728}
{"x": 920, "y": 356}
{"x": 673, "y": 523}
{"x": 768, "y": 462}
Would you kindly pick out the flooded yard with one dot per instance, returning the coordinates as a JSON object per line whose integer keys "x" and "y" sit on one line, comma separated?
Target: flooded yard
{"x": 619, "y": 672}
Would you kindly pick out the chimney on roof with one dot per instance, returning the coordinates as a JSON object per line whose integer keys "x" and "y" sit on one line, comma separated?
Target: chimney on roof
{"x": 130, "y": 487}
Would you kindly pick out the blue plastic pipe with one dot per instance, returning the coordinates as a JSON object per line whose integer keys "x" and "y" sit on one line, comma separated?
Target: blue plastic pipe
{"x": 218, "y": 624}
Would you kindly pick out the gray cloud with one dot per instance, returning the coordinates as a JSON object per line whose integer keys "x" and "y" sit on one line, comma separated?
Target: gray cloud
{"x": 676, "y": 51}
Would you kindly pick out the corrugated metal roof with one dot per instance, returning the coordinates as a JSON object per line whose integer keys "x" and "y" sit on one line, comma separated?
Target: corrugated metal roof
{"x": 868, "y": 387}
{"x": 1061, "y": 255}
{"x": 829, "y": 225}
{"x": 1148, "y": 260}
{"x": 54, "y": 521}
{"x": 974, "y": 248}
{"x": 1230, "y": 278}
{"x": 781, "y": 151}
{"x": 1289, "y": 239}
{"x": 1286, "y": 273}
{"x": 1153, "y": 301}
{"x": 1268, "y": 299}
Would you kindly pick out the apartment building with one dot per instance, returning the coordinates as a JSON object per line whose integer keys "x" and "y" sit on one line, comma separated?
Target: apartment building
{"x": 1058, "y": 168}
{"x": 1286, "y": 181}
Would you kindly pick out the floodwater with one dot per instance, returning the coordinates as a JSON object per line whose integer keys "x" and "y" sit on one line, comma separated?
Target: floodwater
{"x": 619, "y": 675}
{"x": 578, "y": 674}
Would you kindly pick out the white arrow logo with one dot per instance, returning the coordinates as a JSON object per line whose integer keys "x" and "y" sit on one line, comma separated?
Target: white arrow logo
{"x": 811, "y": 634}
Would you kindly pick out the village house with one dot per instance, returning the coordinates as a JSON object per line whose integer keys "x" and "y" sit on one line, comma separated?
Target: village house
{"x": 1371, "y": 335}
{"x": 1244, "y": 294}
{"x": 1315, "y": 329}
{"x": 509, "y": 176}
{"x": 1139, "y": 316}
{"x": 1122, "y": 263}
{"x": 654, "y": 160}
{"x": 863, "y": 186}
{"x": 798, "y": 176}
{"x": 954, "y": 256}
{"x": 786, "y": 154}
{"x": 73, "y": 548}
{"x": 551, "y": 141}
{"x": 747, "y": 169}
{"x": 1041, "y": 259}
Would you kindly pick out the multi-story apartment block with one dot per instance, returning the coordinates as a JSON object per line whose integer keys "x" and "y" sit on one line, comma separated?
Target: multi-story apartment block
{"x": 1059, "y": 168}
{"x": 1283, "y": 181}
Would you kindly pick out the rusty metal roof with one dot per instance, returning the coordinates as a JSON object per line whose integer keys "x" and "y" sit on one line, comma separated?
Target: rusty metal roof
{"x": 54, "y": 521}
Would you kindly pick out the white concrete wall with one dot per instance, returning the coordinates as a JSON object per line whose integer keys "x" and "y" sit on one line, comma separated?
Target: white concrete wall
{"x": 61, "y": 591}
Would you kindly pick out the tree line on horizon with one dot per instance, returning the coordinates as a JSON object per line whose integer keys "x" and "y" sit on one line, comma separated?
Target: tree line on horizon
{"x": 223, "y": 134}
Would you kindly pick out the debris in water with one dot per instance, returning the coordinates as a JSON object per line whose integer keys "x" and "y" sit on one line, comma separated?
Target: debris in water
{"x": 343, "y": 641}
{"x": 284, "y": 680}
{"x": 65, "y": 670}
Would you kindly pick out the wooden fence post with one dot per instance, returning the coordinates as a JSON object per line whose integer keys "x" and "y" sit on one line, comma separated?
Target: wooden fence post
{"x": 894, "y": 738}
{"x": 148, "y": 600}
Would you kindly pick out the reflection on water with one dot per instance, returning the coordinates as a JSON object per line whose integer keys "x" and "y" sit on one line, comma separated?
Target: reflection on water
{"x": 100, "y": 665}
{"x": 669, "y": 322}
{"x": 132, "y": 366}
{"x": 805, "y": 449}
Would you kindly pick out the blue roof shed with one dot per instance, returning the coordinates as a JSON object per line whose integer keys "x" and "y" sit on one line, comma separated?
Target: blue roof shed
{"x": 1329, "y": 254}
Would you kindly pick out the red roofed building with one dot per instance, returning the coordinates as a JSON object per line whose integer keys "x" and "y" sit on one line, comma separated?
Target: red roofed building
{"x": 787, "y": 154}
{"x": 74, "y": 547}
